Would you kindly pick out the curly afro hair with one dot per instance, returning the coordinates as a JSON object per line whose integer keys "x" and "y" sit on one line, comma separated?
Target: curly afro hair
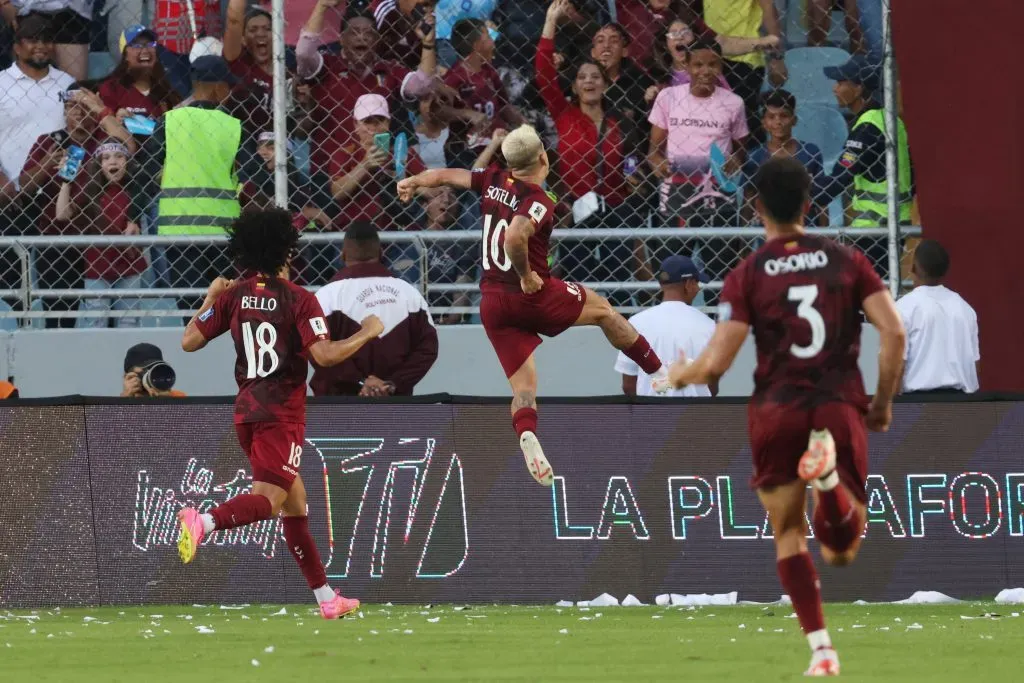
{"x": 262, "y": 241}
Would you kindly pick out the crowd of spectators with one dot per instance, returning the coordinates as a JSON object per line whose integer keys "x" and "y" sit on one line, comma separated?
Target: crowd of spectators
{"x": 637, "y": 113}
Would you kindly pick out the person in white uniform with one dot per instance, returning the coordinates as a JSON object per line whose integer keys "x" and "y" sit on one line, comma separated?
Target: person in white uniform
{"x": 942, "y": 352}
{"x": 671, "y": 327}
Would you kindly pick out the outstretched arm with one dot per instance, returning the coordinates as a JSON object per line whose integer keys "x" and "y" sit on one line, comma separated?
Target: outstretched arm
{"x": 458, "y": 178}
{"x": 328, "y": 353}
{"x": 716, "y": 358}
{"x": 881, "y": 312}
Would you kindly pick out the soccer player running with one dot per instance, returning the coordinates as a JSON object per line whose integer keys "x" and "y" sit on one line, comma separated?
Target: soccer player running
{"x": 275, "y": 325}
{"x": 803, "y": 295}
{"x": 521, "y": 301}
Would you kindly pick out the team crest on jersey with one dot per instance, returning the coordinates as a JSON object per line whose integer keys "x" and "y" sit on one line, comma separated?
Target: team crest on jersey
{"x": 724, "y": 312}
{"x": 538, "y": 211}
{"x": 207, "y": 314}
{"x": 261, "y": 285}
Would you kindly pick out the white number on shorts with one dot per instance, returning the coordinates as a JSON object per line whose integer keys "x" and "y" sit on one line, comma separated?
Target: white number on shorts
{"x": 806, "y": 295}
{"x": 295, "y": 456}
{"x": 494, "y": 245}
{"x": 258, "y": 359}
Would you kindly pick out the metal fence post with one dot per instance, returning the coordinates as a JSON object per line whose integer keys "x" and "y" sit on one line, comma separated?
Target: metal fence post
{"x": 892, "y": 128}
{"x": 280, "y": 107}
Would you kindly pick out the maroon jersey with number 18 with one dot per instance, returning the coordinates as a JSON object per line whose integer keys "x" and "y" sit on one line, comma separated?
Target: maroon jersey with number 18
{"x": 502, "y": 198}
{"x": 272, "y": 323}
{"x": 802, "y": 295}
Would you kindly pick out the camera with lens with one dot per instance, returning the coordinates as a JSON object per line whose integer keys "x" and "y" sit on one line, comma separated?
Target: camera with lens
{"x": 157, "y": 377}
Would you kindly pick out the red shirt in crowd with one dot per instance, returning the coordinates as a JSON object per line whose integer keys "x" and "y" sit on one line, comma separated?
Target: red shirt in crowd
{"x": 336, "y": 90}
{"x": 644, "y": 25}
{"x": 106, "y": 263}
{"x": 45, "y": 198}
{"x": 482, "y": 91}
{"x": 118, "y": 96}
{"x": 578, "y": 157}
{"x": 252, "y": 100}
{"x": 367, "y": 202}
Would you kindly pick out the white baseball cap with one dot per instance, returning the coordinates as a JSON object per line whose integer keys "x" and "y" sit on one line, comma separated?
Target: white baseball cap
{"x": 371, "y": 105}
{"x": 204, "y": 47}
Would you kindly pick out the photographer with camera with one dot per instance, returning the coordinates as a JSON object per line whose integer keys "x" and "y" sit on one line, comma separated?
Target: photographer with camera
{"x": 146, "y": 373}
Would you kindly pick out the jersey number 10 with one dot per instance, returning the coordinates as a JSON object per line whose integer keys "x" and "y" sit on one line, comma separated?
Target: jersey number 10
{"x": 260, "y": 357}
{"x": 806, "y": 295}
{"x": 494, "y": 245}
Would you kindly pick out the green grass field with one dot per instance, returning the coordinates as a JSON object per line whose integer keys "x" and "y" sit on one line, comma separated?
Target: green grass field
{"x": 969, "y": 641}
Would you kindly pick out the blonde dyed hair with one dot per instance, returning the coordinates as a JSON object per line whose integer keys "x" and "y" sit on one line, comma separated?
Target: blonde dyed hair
{"x": 521, "y": 148}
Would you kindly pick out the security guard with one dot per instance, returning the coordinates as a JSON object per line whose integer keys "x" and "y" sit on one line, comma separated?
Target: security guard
{"x": 190, "y": 163}
{"x": 861, "y": 168}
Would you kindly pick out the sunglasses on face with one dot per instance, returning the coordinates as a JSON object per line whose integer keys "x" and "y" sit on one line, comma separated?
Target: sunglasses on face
{"x": 143, "y": 44}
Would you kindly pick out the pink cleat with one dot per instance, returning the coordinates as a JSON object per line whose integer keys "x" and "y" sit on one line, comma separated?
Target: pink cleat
{"x": 338, "y": 607}
{"x": 824, "y": 662}
{"x": 820, "y": 458}
{"x": 191, "y": 534}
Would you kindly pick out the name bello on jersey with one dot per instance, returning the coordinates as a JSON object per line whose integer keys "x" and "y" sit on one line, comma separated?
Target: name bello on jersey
{"x": 796, "y": 263}
{"x": 975, "y": 505}
{"x": 259, "y": 303}
{"x": 500, "y": 194}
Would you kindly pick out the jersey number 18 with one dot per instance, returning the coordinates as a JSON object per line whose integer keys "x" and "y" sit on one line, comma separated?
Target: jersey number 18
{"x": 260, "y": 357}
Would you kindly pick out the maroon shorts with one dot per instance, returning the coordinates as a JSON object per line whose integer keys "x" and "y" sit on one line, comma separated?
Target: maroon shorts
{"x": 778, "y": 438}
{"x": 274, "y": 450}
{"x": 514, "y": 321}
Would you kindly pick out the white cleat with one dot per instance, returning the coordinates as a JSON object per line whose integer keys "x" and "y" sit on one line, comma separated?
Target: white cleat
{"x": 820, "y": 458}
{"x": 824, "y": 662}
{"x": 538, "y": 465}
{"x": 659, "y": 381}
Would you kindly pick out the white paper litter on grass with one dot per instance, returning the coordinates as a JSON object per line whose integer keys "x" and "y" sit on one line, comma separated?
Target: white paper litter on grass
{"x": 563, "y": 631}
{"x": 433, "y": 620}
{"x": 915, "y": 626}
{"x": 204, "y": 629}
{"x": 602, "y": 600}
{"x": 560, "y": 603}
{"x": 1010, "y": 596}
{"x": 268, "y": 649}
{"x": 283, "y": 612}
{"x": 631, "y": 601}
{"x": 783, "y": 600}
{"x": 927, "y": 598}
{"x": 408, "y": 631}
{"x": 88, "y": 619}
{"x": 697, "y": 599}
{"x": 255, "y": 662}
{"x": 861, "y": 603}
{"x": 234, "y": 606}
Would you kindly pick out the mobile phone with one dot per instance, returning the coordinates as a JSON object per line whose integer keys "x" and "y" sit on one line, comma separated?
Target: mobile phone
{"x": 76, "y": 155}
{"x": 382, "y": 141}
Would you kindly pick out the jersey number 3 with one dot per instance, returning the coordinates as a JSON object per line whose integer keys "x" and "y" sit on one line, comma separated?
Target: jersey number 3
{"x": 260, "y": 357}
{"x": 805, "y": 295}
{"x": 494, "y": 245}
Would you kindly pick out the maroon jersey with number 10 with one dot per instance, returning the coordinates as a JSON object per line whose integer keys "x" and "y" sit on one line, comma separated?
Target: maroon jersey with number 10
{"x": 502, "y": 198}
{"x": 802, "y": 295}
{"x": 272, "y": 323}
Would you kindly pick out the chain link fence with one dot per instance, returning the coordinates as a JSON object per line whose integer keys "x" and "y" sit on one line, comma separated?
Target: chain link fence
{"x": 123, "y": 157}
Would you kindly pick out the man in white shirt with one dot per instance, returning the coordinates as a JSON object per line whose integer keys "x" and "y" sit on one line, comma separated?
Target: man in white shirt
{"x": 671, "y": 327}
{"x": 30, "y": 94}
{"x": 942, "y": 351}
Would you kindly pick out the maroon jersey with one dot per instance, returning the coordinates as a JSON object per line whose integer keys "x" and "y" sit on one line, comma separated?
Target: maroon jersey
{"x": 482, "y": 91}
{"x": 272, "y": 323}
{"x": 502, "y": 198}
{"x": 802, "y": 295}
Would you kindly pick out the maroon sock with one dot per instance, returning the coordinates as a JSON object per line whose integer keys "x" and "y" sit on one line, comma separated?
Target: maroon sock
{"x": 643, "y": 355}
{"x": 303, "y": 547}
{"x": 837, "y": 522}
{"x": 525, "y": 420}
{"x": 241, "y": 510}
{"x": 800, "y": 581}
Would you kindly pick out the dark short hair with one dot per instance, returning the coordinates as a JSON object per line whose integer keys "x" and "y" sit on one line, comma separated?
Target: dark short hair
{"x": 783, "y": 185}
{"x": 703, "y": 42}
{"x": 465, "y": 33}
{"x": 932, "y": 259}
{"x": 362, "y": 237}
{"x": 618, "y": 28}
{"x": 780, "y": 99}
{"x": 357, "y": 12}
{"x": 262, "y": 240}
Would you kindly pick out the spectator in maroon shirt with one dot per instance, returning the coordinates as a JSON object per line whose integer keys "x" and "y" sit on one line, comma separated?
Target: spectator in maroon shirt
{"x": 98, "y": 204}
{"x": 363, "y": 172}
{"x": 595, "y": 144}
{"x": 482, "y": 104}
{"x": 139, "y": 85}
{"x": 339, "y": 80}
{"x": 397, "y": 21}
{"x": 86, "y": 119}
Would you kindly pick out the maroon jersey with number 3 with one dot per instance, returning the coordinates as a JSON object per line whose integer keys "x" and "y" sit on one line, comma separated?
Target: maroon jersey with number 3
{"x": 272, "y": 323}
{"x": 802, "y": 295}
{"x": 502, "y": 198}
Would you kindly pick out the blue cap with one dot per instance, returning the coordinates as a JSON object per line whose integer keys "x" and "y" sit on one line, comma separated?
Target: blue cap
{"x": 859, "y": 70}
{"x": 212, "y": 69}
{"x": 679, "y": 268}
{"x": 130, "y": 34}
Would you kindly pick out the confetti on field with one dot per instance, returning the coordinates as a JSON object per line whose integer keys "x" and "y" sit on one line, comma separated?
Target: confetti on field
{"x": 255, "y": 662}
{"x": 858, "y": 626}
{"x": 914, "y": 627}
{"x": 563, "y": 631}
{"x": 434, "y": 620}
{"x": 268, "y": 649}
{"x": 204, "y": 629}
{"x": 280, "y": 613}
{"x": 560, "y": 603}
{"x": 407, "y": 631}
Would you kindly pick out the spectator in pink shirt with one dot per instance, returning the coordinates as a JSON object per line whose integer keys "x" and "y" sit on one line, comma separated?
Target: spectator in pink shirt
{"x": 686, "y": 121}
